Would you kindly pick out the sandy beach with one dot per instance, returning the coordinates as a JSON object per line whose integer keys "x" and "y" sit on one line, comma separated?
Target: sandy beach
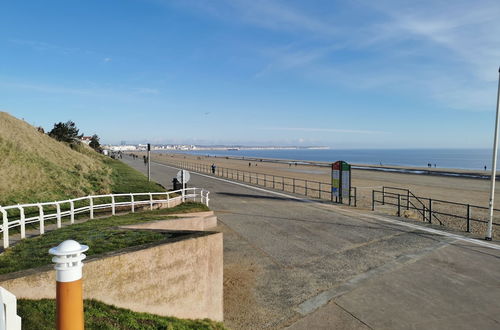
{"x": 455, "y": 189}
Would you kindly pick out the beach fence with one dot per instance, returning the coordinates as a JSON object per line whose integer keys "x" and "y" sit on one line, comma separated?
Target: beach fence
{"x": 458, "y": 216}
{"x": 16, "y": 218}
{"x": 309, "y": 188}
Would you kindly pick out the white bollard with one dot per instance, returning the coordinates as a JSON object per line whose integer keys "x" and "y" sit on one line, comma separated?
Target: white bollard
{"x": 69, "y": 295}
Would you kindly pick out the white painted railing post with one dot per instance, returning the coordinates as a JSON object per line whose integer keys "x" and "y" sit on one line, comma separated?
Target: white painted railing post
{"x": 168, "y": 200}
{"x": 22, "y": 222}
{"x": 41, "y": 219}
{"x": 113, "y": 208}
{"x": 72, "y": 211}
{"x": 91, "y": 206}
{"x": 132, "y": 203}
{"x": 58, "y": 214}
{"x": 9, "y": 320}
{"x": 150, "y": 201}
{"x": 5, "y": 225}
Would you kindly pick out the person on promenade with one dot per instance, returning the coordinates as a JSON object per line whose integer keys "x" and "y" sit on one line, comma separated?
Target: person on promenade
{"x": 213, "y": 168}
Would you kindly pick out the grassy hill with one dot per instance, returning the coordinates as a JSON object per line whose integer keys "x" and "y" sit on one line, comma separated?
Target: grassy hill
{"x": 37, "y": 168}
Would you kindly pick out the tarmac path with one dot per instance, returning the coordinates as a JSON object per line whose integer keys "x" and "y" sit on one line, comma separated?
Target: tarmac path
{"x": 299, "y": 264}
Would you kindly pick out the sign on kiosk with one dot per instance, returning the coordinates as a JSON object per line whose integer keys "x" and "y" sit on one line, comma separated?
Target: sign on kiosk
{"x": 336, "y": 180}
{"x": 341, "y": 180}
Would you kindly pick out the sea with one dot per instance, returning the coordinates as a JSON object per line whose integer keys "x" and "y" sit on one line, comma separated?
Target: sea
{"x": 471, "y": 159}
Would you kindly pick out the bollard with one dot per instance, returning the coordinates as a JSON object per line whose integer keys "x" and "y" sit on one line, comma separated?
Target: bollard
{"x": 68, "y": 258}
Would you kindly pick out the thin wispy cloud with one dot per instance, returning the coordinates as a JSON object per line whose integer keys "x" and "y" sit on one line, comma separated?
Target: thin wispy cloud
{"x": 319, "y": 129}
{"x": 89, "y": 90}
{"x": 52, "y": 48}
{"x": 145, "y": 90}
{"x": 269, "y": 14}
{"x": 432, "y": 47}
{"x": 45, "y": 46}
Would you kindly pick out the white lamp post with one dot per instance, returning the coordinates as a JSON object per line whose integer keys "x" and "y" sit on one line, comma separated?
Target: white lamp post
{"x": 493, "y": 168}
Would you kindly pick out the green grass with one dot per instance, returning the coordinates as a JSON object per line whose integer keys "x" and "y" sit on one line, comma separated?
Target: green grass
{"x": 125, "y": 179}
{"x": 40, "y": 315}
{"x": 37, "y": 168}
{"x": 101, "y": 235}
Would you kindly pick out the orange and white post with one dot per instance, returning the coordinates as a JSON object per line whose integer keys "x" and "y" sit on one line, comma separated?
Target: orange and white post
{"x": 68, "y": 258}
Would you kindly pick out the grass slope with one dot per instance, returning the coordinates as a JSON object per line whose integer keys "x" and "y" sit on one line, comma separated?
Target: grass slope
{"x": 37, "y": 168}
{"x": 125, "y": 179}
{"x": 40, "y": 315}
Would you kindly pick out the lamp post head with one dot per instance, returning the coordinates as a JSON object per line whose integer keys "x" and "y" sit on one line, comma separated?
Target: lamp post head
{"x": 68, "y": 258}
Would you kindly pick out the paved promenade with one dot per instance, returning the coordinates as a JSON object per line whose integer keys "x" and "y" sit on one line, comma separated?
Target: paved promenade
{"x": 291, "y": 263}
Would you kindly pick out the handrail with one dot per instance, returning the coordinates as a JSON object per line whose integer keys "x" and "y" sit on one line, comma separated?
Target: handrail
{"x": 94, "y": 203}
{"x": 423, "y": 210}
{"x": 433, "y": 212}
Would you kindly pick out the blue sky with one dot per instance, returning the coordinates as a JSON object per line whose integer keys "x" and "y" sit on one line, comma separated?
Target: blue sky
{"x": 346, "y": 74}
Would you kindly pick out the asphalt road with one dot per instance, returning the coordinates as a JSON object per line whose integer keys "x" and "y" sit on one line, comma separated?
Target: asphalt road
{"x": 306, "y": 265}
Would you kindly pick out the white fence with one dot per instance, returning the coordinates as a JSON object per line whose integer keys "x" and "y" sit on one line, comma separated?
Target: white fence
{"x": 9, "y": 320}
{"x": 68, "y": 208}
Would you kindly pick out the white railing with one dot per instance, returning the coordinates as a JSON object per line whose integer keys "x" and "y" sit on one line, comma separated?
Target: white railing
{"x": 68, "y": 208}
{"x": 9, "y": 320}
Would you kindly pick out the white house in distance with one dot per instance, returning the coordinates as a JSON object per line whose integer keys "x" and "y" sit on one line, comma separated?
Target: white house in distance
{"x": 86, "y": 139}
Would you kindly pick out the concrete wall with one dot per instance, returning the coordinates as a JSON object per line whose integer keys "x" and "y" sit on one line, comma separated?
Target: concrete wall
{"x": 182, "y": 278}
{"x": 199, "y": 221}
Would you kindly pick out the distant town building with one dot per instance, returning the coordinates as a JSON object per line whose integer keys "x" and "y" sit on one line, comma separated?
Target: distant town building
{"x": 86, "y": 139}
{"x": 121, "y": 148}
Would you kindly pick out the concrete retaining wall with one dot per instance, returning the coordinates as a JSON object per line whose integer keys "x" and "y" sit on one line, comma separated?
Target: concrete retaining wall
{"x": 181, "y": 278}
{"x": 189, "y": 221}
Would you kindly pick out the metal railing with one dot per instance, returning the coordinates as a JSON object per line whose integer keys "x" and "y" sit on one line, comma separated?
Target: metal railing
{"x": 309, "y": 188}
{"x": 462, "y": 216}
{"x": 20, "y": 215}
